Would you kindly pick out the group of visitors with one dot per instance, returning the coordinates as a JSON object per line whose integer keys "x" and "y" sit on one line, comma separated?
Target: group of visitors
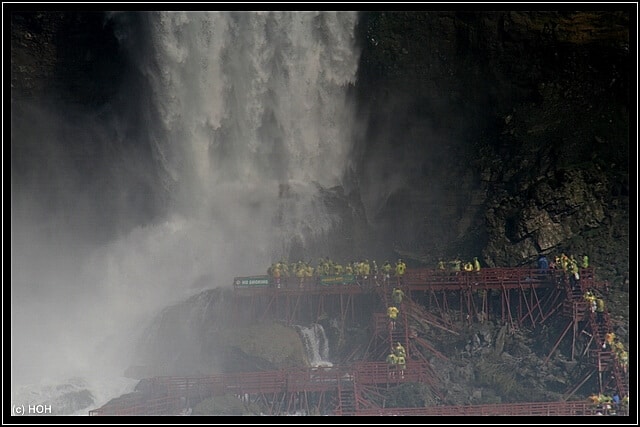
{"x": 397, "y": 361}
{"x": 360, "y": 272}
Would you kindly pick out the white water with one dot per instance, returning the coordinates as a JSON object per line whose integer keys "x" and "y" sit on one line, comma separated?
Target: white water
{"x": 249, "y": 103}
{"x": 241, "y": 105}
{"x": 316, "y": 344}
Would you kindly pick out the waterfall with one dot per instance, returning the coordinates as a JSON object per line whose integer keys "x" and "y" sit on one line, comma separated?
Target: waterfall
{"x": 252, "y": 118}
{"x": 316, "y": 344}
{"x": 236, "y": 119}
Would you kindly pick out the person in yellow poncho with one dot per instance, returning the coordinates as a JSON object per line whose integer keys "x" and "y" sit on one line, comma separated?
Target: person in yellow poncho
{"x": 392, "y": 360}
{"x": 397, "y": 295}
{"x": 392, "y": 312}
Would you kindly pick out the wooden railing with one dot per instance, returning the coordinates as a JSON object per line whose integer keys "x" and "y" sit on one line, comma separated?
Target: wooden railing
{"x": 518, "y": 409}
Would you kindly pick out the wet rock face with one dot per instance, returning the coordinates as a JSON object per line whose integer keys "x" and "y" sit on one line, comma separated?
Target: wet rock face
{"x": 33, "y": 52}
{"x": 507, "y": 130}
{"x": 72, "y": 56}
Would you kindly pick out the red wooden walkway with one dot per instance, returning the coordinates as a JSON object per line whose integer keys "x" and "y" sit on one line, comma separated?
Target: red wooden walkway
{"x": 171, "y": 395}
{"x": 352, "y": 389}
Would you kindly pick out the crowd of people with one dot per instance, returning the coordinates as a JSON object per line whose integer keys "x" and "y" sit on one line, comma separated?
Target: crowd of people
{"x": 304, "y": 272}
{"x": 567, "y": 263}
{"x": 611, "y": 342}
{"x": 605, "y": 404}
{"x": 284, "y": 273}
{"x": 458, "y": 265}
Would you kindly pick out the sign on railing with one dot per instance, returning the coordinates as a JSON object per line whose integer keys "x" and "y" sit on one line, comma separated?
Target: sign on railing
{"x": 252, "y": 281}
{"x": 343, "y": 279}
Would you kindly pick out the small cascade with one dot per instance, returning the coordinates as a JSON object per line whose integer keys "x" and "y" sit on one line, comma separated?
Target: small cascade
{"x": 316, "y": 344}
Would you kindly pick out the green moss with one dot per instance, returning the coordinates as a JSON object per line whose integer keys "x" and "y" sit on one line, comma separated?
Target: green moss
{"x": 277, "y": 344}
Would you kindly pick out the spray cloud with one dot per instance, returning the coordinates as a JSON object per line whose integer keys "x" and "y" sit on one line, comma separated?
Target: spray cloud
{"x": 232, "y": 111}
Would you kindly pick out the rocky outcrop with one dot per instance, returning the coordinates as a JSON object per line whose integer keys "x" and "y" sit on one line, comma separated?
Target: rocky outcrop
{"x": 207, "y": 334}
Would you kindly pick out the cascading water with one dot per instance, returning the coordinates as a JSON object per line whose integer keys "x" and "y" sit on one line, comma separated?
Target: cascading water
{"x": 252, "y": 110}
{"x": 316, "y": 345}
{"x": 247, "y": 118}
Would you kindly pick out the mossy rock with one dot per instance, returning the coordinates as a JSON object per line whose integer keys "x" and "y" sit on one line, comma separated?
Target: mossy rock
{"x": 264, "y": 345}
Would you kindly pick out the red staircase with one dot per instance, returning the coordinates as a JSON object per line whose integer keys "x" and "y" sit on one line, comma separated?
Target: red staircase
{"x": 577, "y": 308}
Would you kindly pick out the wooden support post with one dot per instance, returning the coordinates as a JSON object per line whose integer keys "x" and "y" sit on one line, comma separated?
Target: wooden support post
{"x": 564, "y": 332}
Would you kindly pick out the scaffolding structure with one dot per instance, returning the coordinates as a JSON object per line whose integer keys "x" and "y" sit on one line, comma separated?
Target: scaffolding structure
{"x": 444, "y": 299}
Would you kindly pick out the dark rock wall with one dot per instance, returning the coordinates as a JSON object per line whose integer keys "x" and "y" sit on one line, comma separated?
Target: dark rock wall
{"x": 497, "y": 134}
{"x": 70, "y": 55}
{"x": 72, "y": 81}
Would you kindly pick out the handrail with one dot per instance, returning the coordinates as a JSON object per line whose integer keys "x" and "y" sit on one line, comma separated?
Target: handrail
{"x": 534, "y": 409}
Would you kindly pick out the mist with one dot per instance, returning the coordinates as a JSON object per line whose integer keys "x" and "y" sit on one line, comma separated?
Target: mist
{"x": 174, "y": 185}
